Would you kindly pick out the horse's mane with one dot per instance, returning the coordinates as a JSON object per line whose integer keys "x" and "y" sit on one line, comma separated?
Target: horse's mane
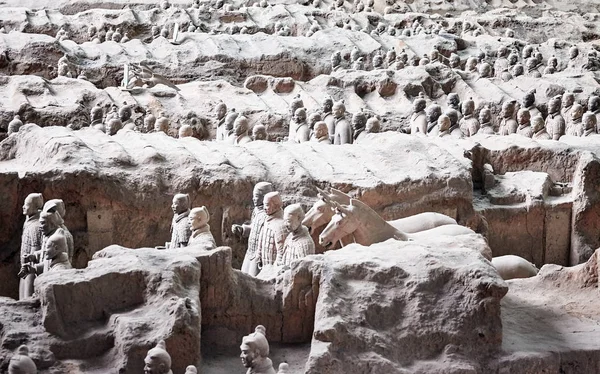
{"x": 369, "y": 214}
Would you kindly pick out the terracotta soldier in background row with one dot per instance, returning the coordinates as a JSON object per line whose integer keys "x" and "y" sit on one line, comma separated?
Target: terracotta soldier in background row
{"x": 574, "y": 126}
{"x": 253, "y": 230}
{"x": 180, "y": 226}
{"x": 469, "y": 125}
{"x": 343, "y": 130}
{"x": 539, "y": 129}
{"x": 508, "y": 125}
{"x": 220, "y": 113}
{"x": 523, "y": 119}
{"x": 589, "y": 124}
{"x": 31, "y": 239}
{"x": 327, "y": 116}
{"x": 485, "y": 122}
{"x": 418, "y": 120}
{"x": 255, "y": 352}
{"x": 555, "y": 123}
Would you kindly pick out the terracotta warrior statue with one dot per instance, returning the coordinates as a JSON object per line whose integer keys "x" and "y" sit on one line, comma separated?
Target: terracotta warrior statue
{"x": 229, "y": 122}
{"x": 453, "y": 102}
{"x": 284, "y": 368}
{"x": 198, "y": 221}
{"x": 55, "y": 257}
{"x": 443, "y": 123}
{"x": 523, "y": 118}
{"x": 594, "y": 108}
{"x": 433, "y": 112}
{"x": 298, "y": 243}
{"x": 529, "y": 103}
{"x": 373, "y": 125}
{"x": 359, "y": 123}
{"x": 180, "y": 226}
{"x": 220, "y": 113}
{"x": 418, "y": 120}
{"x": 343, "y": 130}
{"x": 31, "y": 239}
{"x": 185, "y": 131}
{"x": 15, "y": 124}
{"x": 485, "y": 122}
{"x": 508, "y": 125}
{"x": 555, "y": 123}
{"x": 568, "y": 99}
{"x": 240, "y": 131}
{"x": 574, "y": 126}
{"x": 253, "y": 230}
{"x": 158, "y": 360}
{"x": 96, "y": 115}
{"x": 321, "y": 133}
{"x": 589, "y": 124}
{"x": 50, "y": 223}
{"x": 191, "y": 370}
{"x": 273, "y": 233}
{"x": 469, "y": 125}
{"x": 62, "y": 211}
{"x": 255, "y": 352}
{"x": 327, "y": 116}
{"x": 539, "y": 129}
{"x": 259, "y": 132}
{"x": 21, "y": 363}
{"x": 299, "y": 131}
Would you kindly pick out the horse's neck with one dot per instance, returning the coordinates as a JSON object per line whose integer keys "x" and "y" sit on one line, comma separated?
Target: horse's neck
{"x": 376, "y": 231}
{"x": 348, "y": 239}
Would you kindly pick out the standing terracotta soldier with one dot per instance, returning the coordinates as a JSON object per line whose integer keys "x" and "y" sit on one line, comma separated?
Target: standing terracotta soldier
{"x": 574, "y": 126}
{"x": 62, "y": 211}
{"x": 298, "y": 243}
{"x": 594, "y": 108}
{"x": 539, "y": 129}
{"x": 555, "y": 123}
{"x": 327, "y": 116}
{"x": 273, "y": 233}
{"x": 485, "y": 122}
{"x": 31, "y": 239}
{"x": 523, "y": 118}
{"x": 220, "y": 113}
{"x": 418, "y": 120}
{"x": 180, "y": 226}
{"x": 343, "y": 130}
{"x": 469, "y": 125}
{"x": 253, "y": 230}
{"x": 589, "y": 124}
{"x": 508, "y": 125}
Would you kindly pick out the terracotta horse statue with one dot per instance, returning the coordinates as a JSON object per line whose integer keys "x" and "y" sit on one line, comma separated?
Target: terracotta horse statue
{"x": 368, "y": 227}
{"x": 323, "y": 210}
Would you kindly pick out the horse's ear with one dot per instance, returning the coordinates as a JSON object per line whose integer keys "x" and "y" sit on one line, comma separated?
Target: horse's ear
{"x": 324, "y": 195}
{"x": 339, "y": 193}
{"x": 343, "y": 209}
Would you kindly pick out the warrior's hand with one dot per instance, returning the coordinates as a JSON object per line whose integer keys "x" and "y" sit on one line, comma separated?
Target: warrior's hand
{"x": 30, "y": 258}
{"x": 237, "y": 230}
{"x": 25, "y": 271}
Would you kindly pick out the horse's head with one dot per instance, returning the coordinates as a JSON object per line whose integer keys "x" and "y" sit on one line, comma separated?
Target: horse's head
{"x": 342, "y": 223}
{"x": 319, "y": 215}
